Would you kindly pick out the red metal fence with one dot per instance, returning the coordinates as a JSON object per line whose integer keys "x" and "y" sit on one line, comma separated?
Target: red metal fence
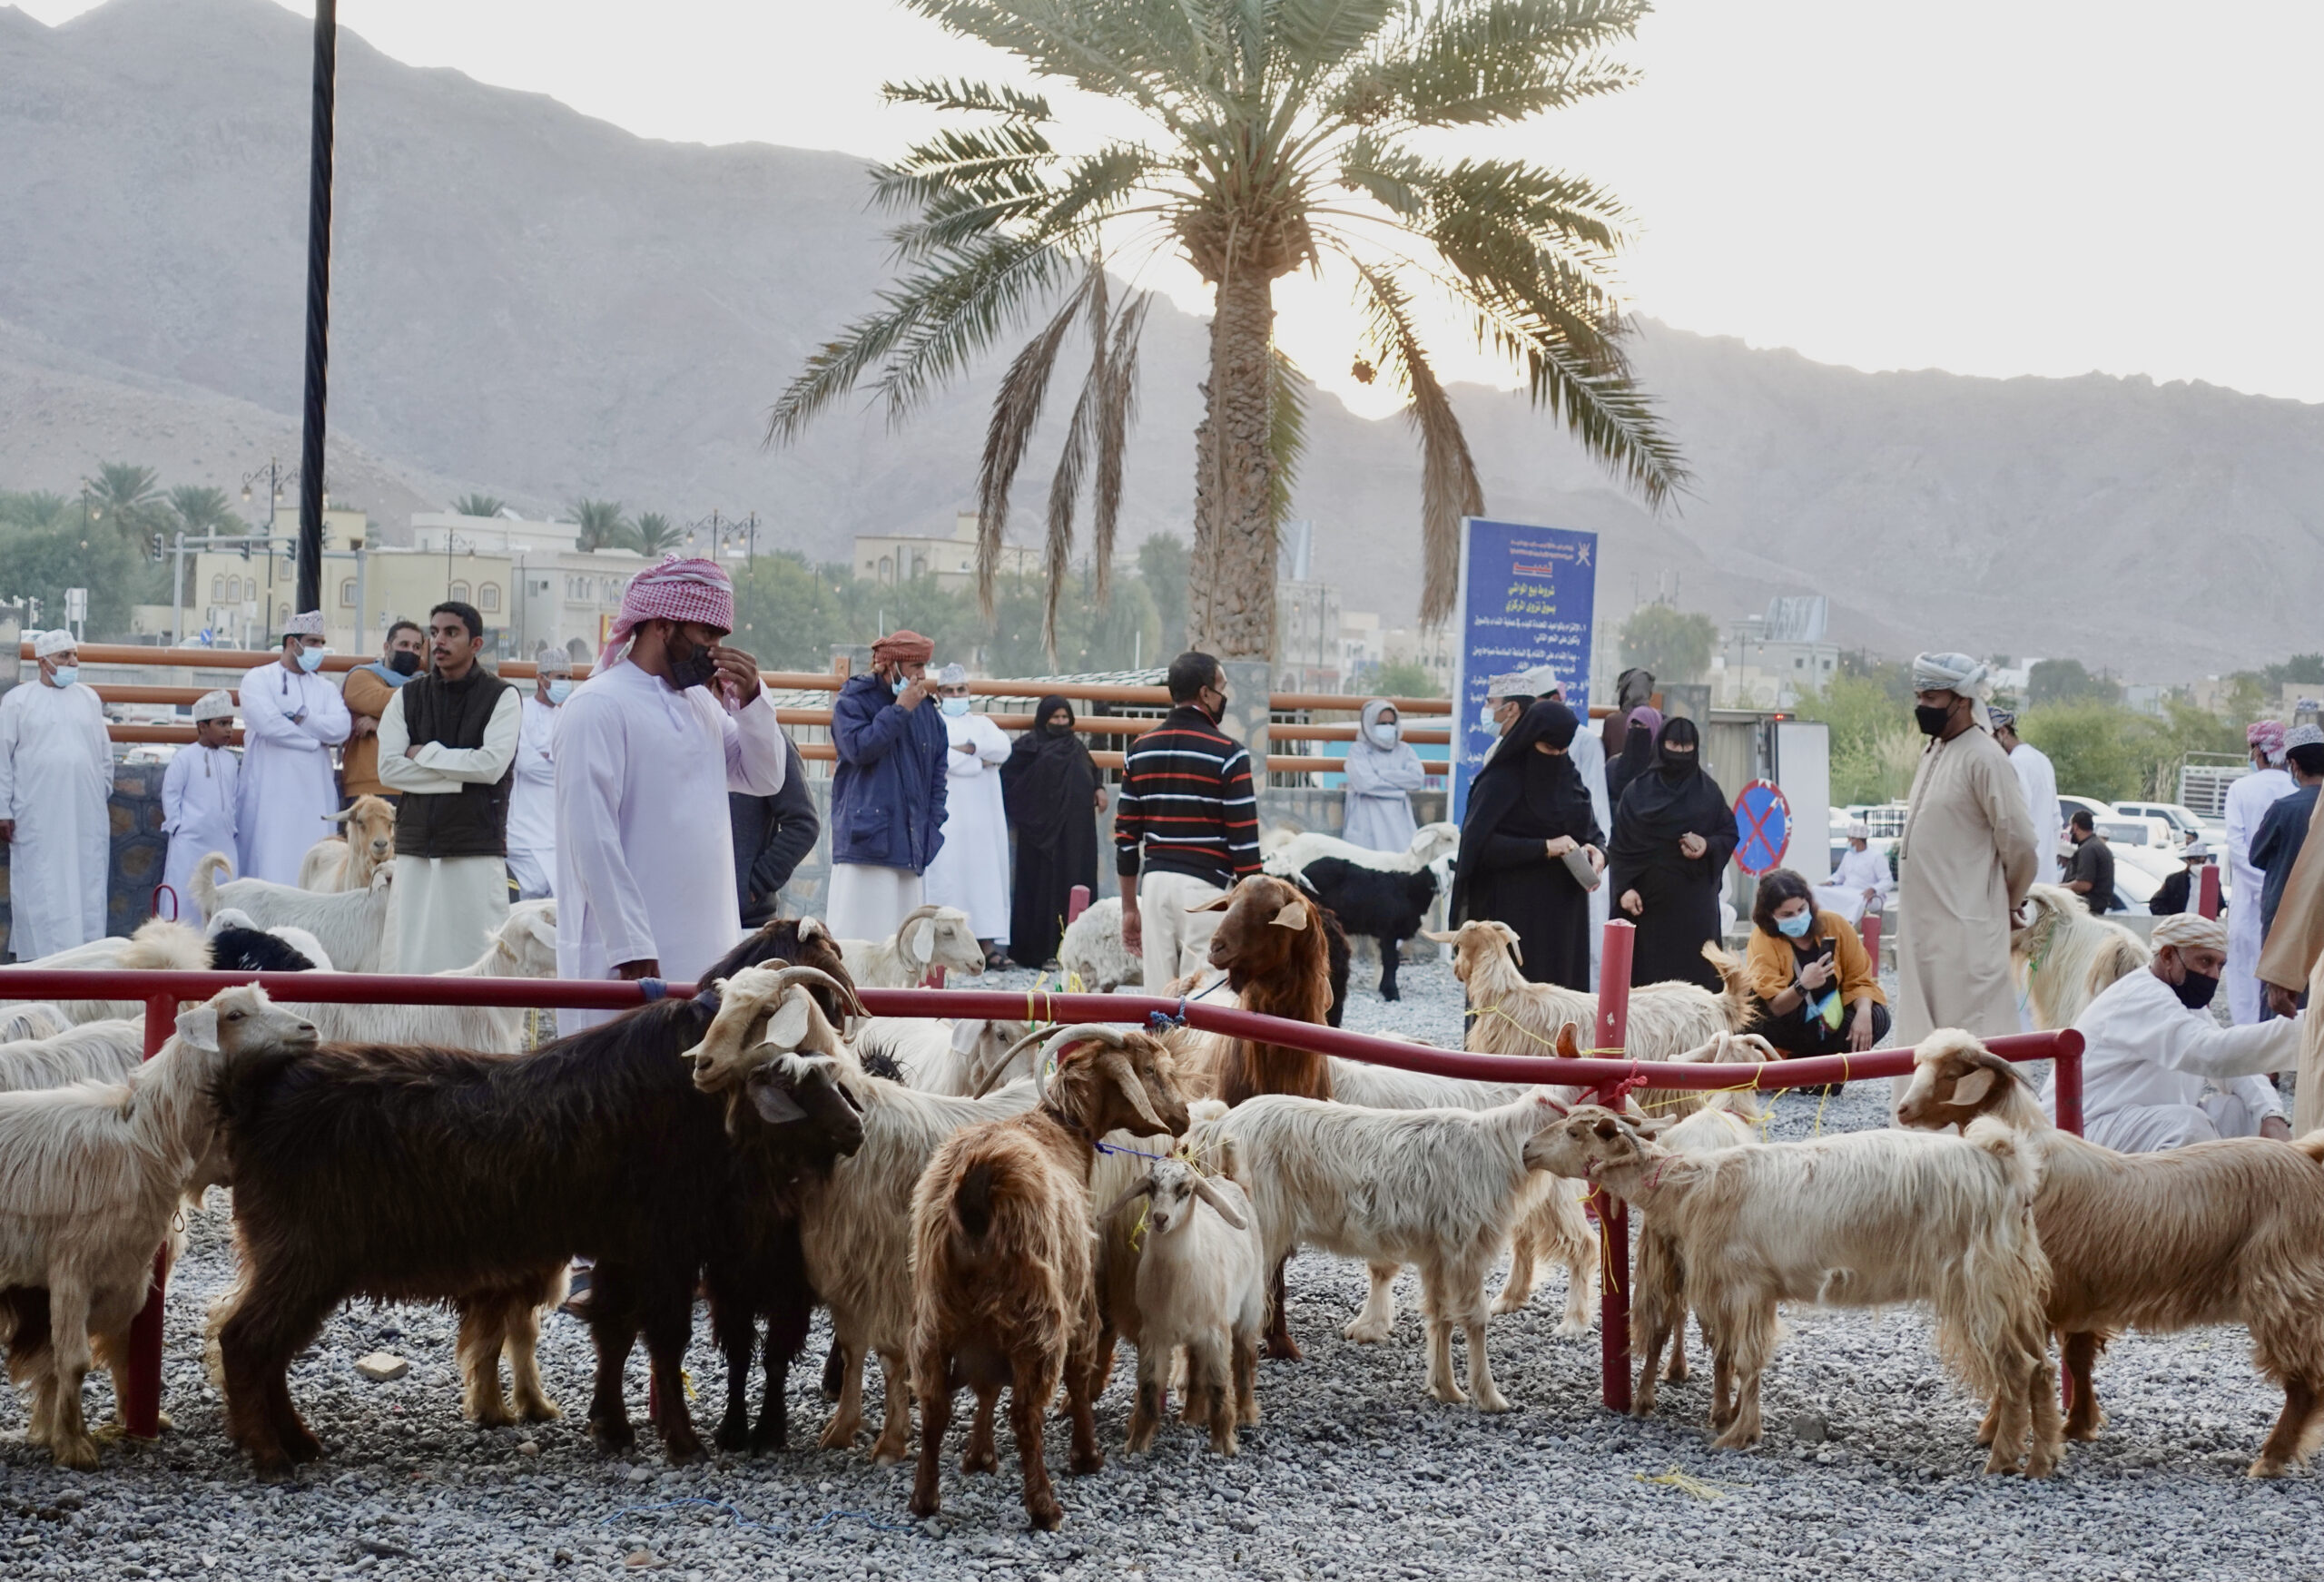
{"x": 164, "y": 992}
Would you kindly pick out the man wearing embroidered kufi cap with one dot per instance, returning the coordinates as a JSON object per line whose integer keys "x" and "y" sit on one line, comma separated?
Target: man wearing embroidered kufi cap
{"x": 199, "y": 793}
{"x": 55, "y": 774}
{"x": 292, "y": 718}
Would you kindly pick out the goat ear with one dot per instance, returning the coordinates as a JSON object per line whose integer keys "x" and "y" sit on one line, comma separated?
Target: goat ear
{"x": 1569, "y": 1042}
{"x": 1116, "y": 1065}
{"x": 788, "y": 1024}
{"x": 1441, "y": 936}
{"x": 198, "y": 1028}
{"x": 1139, "y": 1188}
{"x": 1217, "y": 903}
{"x": 774, "y": 1102}
{"x": 1219, "y": 1202}
{"x": 339, "y": 816}
{"x": 1293, "y": 915}
{"x": 812, "y": 929}
{"x": 920, "y": 941}
{"x": 1973, "y": 1087}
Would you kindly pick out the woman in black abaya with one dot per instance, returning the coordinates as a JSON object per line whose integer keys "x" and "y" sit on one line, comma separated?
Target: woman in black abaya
{"x": 1672, "y": 837}
{"x": 1051, "y": 789}
{"x": 1637, "y": 759}
{"x": 1526, "y": 811}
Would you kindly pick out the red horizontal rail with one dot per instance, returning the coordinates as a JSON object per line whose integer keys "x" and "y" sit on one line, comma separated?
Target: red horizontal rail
{"x": 1036, "y": 1005}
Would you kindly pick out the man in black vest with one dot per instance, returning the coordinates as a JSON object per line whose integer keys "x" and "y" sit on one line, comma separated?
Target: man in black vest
{"x": 448, "y": 743}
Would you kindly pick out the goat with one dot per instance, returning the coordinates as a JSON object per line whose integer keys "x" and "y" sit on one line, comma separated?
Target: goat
{"x": 90, "y": 1176}
{"x": 855, "y": 1225}
{"x": 1092, "y": 949}
{"x": 1286, "y": 853}
{"x": 1860, "y": 1219}
{"x": 418, "y": 1174}
{"x": 1658, "y": 1280}
{"x": 959, "y": 1058}
{"x": 1388, "y": 906}
{"x": 106, "y": 1051}
{"x": 347, "y": 861}
{"x": 929, "y": 938}
{"x": 233, "y": 944}
{"x": 239, "y": 945}
{"x": 525, "y": 946}
{"x": 2065, "y": 958}
{"x": 1201, "y": 1285}
{"x": 2224, "y": 1232}
{"x": 352, "y": 927}
{"x": 31, "y": 1019}
{"x": 1437, "y": 1188}
{"x": 1001, "y": 1232}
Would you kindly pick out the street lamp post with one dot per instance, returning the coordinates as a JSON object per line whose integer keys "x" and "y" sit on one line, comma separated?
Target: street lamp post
{"x": 725, "y": 530}
{"x": 319, "y": 168}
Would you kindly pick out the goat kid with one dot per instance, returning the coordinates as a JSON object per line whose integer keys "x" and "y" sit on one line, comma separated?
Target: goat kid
{"x": 1201, "y": 1288}
{"x": 1002, "y": 1295}
{"x": 347, "y": 860}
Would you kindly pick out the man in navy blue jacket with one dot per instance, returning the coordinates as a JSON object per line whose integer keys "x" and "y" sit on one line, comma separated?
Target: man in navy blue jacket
{"x": 888, "y": 797}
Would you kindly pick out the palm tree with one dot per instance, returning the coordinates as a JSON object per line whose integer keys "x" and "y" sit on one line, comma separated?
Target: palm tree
{"x": 126, "y": 495}
{"x": 603, "y": 527}
{"x": 34, "y": 508}
{"x": 1279, "y": 136}
{"x": 478, "y": 505}
{"x": 203, "y": 510}
{"x": 655, "y": 534}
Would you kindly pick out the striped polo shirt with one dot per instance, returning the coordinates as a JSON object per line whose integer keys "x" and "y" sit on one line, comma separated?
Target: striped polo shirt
{"x": 1186, "y": 802}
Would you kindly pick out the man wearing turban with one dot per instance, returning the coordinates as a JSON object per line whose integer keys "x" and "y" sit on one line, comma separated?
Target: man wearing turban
{"x": 888, "y": 797}
{"x": 1963, "y": 863}
{"x": 646, "y": 751}
{"x": 2157, "y": 1072}
{"x": 2247, "y": 801}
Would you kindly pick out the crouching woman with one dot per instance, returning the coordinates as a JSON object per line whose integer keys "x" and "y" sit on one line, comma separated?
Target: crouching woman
{"x": 1812, "y": 982}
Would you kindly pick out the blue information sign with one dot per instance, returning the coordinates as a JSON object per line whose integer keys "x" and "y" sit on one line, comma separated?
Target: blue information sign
{"x": 1526, "y": 599}
{"x": 1763, "y": 822}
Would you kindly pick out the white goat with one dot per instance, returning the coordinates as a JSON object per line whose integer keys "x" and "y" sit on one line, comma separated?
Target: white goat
{"x": 106, "y": 1051}
{"x": 1284, "y": 853}
{"x": 90, "y": 1177}
{"x": 2065, "y": 958}
{"x": 1437, "y": 1188}
{"x": 159, "y": 946}
{"x": 855, "y": 1223}
{"x": 1659, "y": 1277}
{"x": 31, "y": 1019}
{"x": 1861, "y": 1219}
{"x": 1201, "y": 1287}
{"x": 524, "y": 947}
{"x": 928, "y": 937}
{"x": 1093, "y": 952}
{"x": 959, "y": 1058}
{"x": 343, "y": 863}
{"x": 352, "y": 927}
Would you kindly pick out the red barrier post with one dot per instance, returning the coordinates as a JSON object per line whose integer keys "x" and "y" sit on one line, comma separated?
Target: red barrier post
{"x": 1077, "y": 901}
{"x": 2207, "y": 890}
{"x": 1613, "y": 1214}
{"x": 1870, "y": 929}
{"x": 2068, "y": 1060}
{"x": 141, "y": 1403}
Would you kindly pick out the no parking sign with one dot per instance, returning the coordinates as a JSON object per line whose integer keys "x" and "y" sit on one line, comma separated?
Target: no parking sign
{"x": 1763, "y": 820}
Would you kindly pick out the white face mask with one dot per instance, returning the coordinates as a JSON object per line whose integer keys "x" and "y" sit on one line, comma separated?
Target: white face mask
{"x": 310, "y": 660}
{"x": 559, "y": 689}
{"x": 1385, "y": 733}
{"x": 955, "y": 707}
{"x": 66, "y": 674}
{"x": 1487, "y": 719}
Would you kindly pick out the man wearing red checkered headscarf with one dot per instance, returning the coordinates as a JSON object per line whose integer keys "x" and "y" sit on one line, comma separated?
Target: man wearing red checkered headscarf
{"x": 647, "y": 749}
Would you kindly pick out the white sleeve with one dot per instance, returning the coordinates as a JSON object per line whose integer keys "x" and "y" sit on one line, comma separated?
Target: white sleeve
{"x": 588, "y": 833}
{"x": 992, "y": 742}
{"x": 756, "y": 761}
{"x": 174, "y": 788}
{"x": 9, "y": 726}
{"x": 261, "y": 695}
{"x": 328, "y": 720}
{"x": 100, "y": 740}
{"x": 2258, "y": 1096}
{"x": 478, "y": 765}
{"x": 2195, "y": 1046}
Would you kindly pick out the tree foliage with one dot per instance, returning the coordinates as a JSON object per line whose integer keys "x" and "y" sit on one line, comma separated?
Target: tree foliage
{"x": 1404, "y": 679}
{"x": 479, "y": 505}
{"x": 1676, "y": 645}
{"x": 2067, "y": 681}
{"x": 656, "y": 534}
{"x": 200, "y": 509}
{"x": 602, "y": 524}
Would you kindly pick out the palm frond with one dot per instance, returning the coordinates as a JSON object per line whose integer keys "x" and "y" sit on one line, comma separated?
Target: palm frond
{"x": 1449, "y": 486}
{"x": 1480, "y": 61}
{"x": 942, "y": 93}
{"x": 1062, "y": 211}
{"x": 959, "y": 164}
{"x": 1115, "y": 413}
{"x": 1288, "y": 391}
{"x": 1073, "y": 457}
{"x": 1132, "y": 49}
{"x": 1016, "y": 411}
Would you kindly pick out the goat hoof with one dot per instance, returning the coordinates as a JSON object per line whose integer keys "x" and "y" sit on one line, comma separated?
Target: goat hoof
{"x": 302, "y": 1446}
{"x": 611, "y": 1439}
{"x": 2265, "y": 1467}
{"x": 731, "y": 1436}
{"x": 1083, "y": 1465}
{"x": 1364, "y": 1334}
{"x": 837, "y": 1436}
{"x": 1283, "y": 1349}
{"x": 771, "y": 1435}
{"x": 1450, "y": 1394}
{"x": 682, "y": 1447}
{"x": 1675, "y": 1374}
{"x": 884, "y": 1454}
{"x": 923, "y": 1506}
{"x": 542, "y": 1411}
{"x": 78, "y": 1455}
{"x": 1736, "y": 1439}
{"x": 1496, "y": 1402}
{"x": 974, "y": 1460}
{"x": 1567, "y": 1330}
{"x": 1046, "y": 1514}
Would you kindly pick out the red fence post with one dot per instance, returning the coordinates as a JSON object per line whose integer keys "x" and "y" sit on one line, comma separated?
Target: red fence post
{"x": 1870, "y": 928}
{"x": 1613, "y": 1213}
{"x": 141, "y": 1405}
{"x": 2207, "y": 882}
{"x": 2068, "y": 1066}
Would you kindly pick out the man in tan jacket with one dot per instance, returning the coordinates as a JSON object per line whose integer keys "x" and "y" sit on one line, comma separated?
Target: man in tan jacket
{"x": 2287, "y": 962}
{"x": 367, "y": 691}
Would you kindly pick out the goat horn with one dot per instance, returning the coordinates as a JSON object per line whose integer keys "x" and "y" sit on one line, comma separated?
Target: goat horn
{"x": 1217, "y": 1200}
{"x": 1080, "y": 1033}
{"x": 787, "y": 976}
{"x": 915, "y": 915}
{"x": 1144, "y": 1185}
{"x": 984, "y": 1080}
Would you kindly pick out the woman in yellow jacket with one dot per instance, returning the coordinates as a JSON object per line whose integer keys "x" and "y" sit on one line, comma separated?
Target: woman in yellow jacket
{"x": 1811, "y": 979}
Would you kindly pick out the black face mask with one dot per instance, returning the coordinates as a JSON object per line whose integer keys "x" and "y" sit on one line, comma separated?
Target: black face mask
{"x": 1932, "y": 720}
{"x": 2195, "y": 991}
{"x": 693, "y": 670}
{"x": 404, "y": 663}
{"x": 1056, "y": 728}
{"x": 1678, "y": 765}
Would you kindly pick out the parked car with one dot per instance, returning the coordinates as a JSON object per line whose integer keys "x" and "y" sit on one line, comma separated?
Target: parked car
{"x": 2179, "y": 818}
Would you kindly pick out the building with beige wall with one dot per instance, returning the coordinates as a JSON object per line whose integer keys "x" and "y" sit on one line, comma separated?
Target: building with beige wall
{"x": 893, "y": 558}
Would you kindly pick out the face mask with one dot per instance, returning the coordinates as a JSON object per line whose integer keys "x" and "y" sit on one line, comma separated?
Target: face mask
{"x": 310, "y": 660}
{"x": 694, "y": 670}
{"x": 2195, "y": 991}
{"x": 1678, "y": 765}
{"x": 66, "y": 674}
{"x": 559, "y": 689}
{"x": 404, "y": 663}
{"x": 1794, "y": 928}
{"x": 955, "y": 707}
{"x": 1487, "y": 719}
{"x": 1218, "y": 714}
{"x": 1385, "y": 733}
{"x": 896, "y": 686}
{"x": 1931, "y": 719}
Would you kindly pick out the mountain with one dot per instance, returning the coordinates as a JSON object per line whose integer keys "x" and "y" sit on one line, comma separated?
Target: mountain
{"x": 537, "y": 304}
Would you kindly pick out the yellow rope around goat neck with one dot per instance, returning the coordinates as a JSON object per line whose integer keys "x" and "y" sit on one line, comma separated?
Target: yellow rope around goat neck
{"x": 1494, "y": 1010}
{"x": 1684, "y": 1483}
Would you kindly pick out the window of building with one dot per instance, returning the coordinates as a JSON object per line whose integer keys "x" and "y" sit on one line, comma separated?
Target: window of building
{"x": 218, "y": 588}
{"x": 457, "y": 591}
{"x": 233, "y": 590}
{"x": 346, "y": 592}
{"x": 887, "y": 568}
{"x": 488, "y": 597}
{"x": 920, "y": 565}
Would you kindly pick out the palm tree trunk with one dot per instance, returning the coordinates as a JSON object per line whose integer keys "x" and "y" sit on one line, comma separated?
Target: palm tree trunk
{"x": 1231, "y": 594}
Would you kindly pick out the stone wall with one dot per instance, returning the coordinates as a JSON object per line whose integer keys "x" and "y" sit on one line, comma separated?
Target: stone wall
{"x": 139, "y": 852}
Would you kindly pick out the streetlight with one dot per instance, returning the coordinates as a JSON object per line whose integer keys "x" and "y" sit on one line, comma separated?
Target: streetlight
{"x": 728, "y": 530}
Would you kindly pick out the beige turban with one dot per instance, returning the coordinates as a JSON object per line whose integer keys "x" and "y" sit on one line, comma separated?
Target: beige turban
{"x": 2190, "y": 930}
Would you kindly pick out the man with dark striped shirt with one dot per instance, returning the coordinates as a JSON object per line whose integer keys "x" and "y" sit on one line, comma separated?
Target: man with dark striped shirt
{"x": 1188, "y": 808}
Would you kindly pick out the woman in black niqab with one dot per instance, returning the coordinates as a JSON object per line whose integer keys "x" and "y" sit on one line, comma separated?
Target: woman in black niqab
{"x": 1051, "y": 789}
{"x": 1525, "y": 811}
{"x": 1672, "y": 837}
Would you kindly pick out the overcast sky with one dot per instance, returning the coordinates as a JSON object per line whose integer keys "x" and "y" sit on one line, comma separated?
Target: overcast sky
{"x": 1989, "y": 186}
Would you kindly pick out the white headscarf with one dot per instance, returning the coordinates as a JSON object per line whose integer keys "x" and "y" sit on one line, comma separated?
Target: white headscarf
{"x": 2189, "y": 929}
{"x": 1380, "y": 735}
{"x": 1955, "y": 673}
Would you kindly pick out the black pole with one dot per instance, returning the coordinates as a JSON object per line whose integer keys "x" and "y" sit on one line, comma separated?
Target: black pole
{"x": 311, "y": 452}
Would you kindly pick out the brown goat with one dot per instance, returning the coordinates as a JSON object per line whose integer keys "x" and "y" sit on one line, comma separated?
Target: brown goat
{"x": 1002, "y": 1280}
{"x": 2220, "y": 1233}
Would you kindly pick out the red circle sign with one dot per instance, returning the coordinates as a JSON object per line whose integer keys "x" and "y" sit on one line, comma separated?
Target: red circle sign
{"x": 1762, "y": 827}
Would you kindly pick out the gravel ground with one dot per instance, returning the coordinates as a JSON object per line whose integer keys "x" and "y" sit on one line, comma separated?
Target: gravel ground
{"x": 1870, "y": 1468}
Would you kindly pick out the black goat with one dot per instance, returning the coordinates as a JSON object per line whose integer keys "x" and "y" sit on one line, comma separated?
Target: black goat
{"x": 235, "y": 949}
{"x": 1387, "y": 904}
{"x": 419, "y": 1175}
